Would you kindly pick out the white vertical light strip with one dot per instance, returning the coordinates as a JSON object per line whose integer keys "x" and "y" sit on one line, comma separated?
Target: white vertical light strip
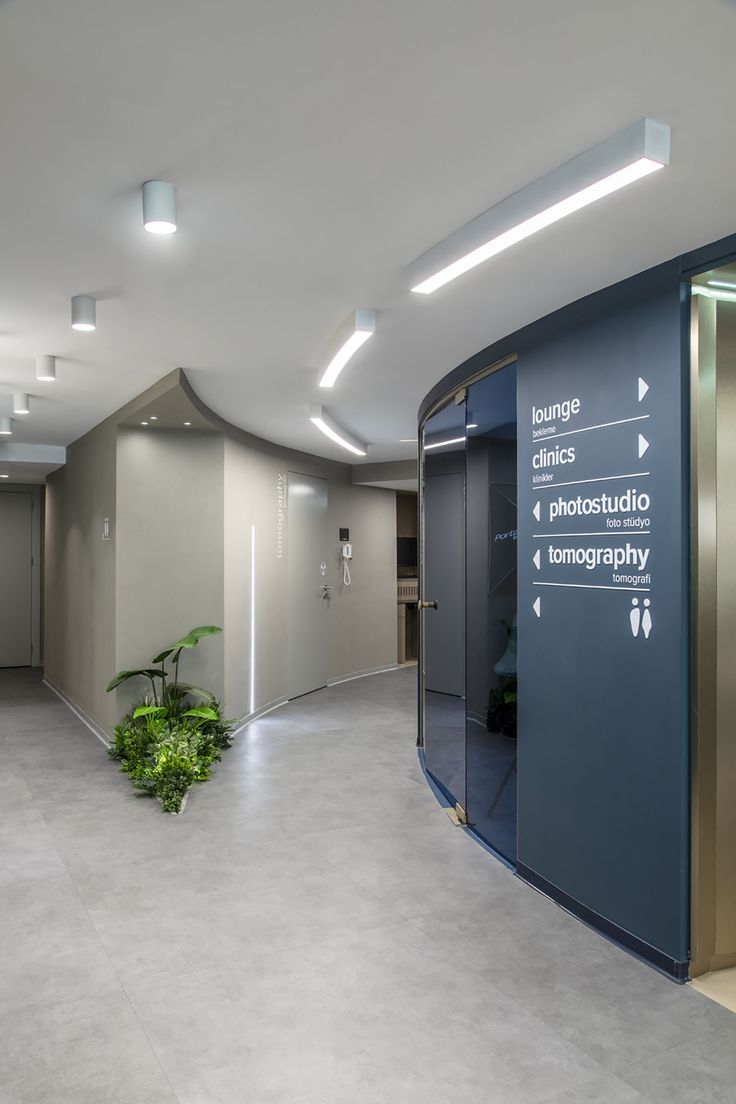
{"x": 252, "y": 619}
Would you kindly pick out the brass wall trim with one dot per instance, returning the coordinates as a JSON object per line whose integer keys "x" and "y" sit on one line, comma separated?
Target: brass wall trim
{"x": 713, "y": 621}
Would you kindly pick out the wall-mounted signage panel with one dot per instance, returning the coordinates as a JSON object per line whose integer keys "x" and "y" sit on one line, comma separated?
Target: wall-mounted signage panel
{"x": 603, "y": 669}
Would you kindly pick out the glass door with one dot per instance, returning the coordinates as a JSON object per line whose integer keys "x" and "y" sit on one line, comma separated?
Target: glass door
{"x": 442, "y": 599}
{"x": 492, "y": 688}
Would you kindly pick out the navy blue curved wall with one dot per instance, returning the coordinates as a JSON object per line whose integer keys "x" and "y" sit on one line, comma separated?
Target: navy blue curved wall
{"x": 604, "y": 668}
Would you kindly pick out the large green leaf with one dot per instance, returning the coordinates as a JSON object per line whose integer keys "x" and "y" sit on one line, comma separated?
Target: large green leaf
{"x": 162, "y": 656}
{"x": 196, "y": 691}
{"x": 148, "y": 711}
{"x": 204, "y": 630}
{"x": 203, "y": 711}
{"x": 189, "y": 640}
{"x": 123, "y": 676}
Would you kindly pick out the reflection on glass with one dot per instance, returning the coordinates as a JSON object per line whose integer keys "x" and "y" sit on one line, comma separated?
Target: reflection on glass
{"x": 491, "y": 609}
{"x": 443, "y": 582}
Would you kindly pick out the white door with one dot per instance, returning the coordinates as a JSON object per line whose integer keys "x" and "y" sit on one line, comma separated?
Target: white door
{"x": 309, "y": 593}
{"x": 15, "y": 580}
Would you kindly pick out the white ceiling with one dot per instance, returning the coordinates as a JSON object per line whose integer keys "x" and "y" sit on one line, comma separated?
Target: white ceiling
{"x": 318, "y": 148}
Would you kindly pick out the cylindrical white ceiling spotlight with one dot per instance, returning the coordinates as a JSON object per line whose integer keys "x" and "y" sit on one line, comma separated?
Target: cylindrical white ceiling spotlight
{"x": 159, "y": 207}
{"x": 84, "y": 313}
{"x": 6, "y": 426}
{"x": 21, "y": 403}
{"x": 46, "y": 368}
{"x": 326, "y": 424}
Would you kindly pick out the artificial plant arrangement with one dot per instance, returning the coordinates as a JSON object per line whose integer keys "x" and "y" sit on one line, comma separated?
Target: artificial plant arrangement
{"x": 170, "y": 739}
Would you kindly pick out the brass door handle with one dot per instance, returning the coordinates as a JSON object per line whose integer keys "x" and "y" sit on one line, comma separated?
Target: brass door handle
{"x": 427, "y": 605}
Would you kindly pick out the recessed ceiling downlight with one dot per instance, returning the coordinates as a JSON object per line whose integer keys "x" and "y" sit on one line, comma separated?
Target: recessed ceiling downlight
{"x": 84, "y": 313}
{"x": 324, "y": 422}
{"x": 628, "y": 156}
{"x": 159, "y": 207}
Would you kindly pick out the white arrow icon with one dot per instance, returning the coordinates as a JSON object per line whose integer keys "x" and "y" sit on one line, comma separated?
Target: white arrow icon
{"x": 537, "y": 511}
{"x": 643, "y": 445}
{"x": 643, "y": 388}
{"x": 537, "y": 559}
{"x": 537, "y": 607}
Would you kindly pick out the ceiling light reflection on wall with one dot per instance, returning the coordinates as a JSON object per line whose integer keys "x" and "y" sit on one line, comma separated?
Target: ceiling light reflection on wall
{"x": 628, "y": 156}
{"x": 362, "y": 325}
{"x": 327, "y": 425}
{"x": 46, "y": 369}
{"x": 159, "y": 207}
{"x": 21, "y": 404}
{"x": 6, "y": 427}
{"x": 84, "y": 313}
{"x": 442, "y": 444}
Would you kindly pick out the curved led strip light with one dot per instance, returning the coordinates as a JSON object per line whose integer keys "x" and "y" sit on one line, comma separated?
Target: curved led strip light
{"x": 332, "y": 429}
{"x": 362, "y": 325}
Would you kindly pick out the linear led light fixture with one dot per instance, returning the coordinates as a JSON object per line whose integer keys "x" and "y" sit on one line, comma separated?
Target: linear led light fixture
{"x": 324, "y": 422}
{"x": 441, "y": 444}
{"x": 355, "y": 333}
{"x": 729, "y": 286}
{"x": 641, "y": 149}
{"x": 714, "y": 293}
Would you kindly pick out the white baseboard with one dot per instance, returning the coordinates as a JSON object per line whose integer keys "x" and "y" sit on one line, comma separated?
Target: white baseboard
{"x": 240, "y": 724}
{"x": 78, "y": 712}
{"x": 249, "y": 717}
{"x": 363, "y": 674}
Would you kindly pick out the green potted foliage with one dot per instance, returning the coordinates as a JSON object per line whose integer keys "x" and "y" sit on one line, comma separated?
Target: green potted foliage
{"x": 171, "y": 738}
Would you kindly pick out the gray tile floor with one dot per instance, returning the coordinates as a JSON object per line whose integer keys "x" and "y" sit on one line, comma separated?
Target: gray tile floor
{"x": 312, "y": 930}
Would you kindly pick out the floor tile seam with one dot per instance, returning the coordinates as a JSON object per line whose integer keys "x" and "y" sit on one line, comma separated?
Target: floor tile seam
{"x": 163, "y": 978}
{"x": 613, "y": 1070}
{"x": 90, "y": 920}
{"x": 676, "y": 1047}
{"x": 533, "y": 1015}
{"x": 154, "y": 1051}
{"x": 226, "y": 893}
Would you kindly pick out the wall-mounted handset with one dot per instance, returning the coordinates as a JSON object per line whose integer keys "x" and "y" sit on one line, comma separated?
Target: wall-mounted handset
{"x": 347, "y": 555}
